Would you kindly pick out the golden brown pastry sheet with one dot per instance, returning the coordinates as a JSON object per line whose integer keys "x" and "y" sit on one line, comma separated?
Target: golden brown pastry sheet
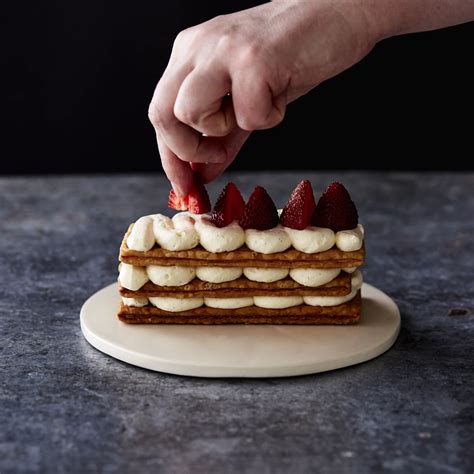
{"x": 242, "y": 257}
{"x": 242, "y": 287}
{"x": 347, "y": 313}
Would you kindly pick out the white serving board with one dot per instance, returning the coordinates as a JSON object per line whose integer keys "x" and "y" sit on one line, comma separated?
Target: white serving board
{"x": 241, "y": 350}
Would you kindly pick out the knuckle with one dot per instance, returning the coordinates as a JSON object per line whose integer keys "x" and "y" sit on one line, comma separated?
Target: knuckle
{"x": 155, "y": 115}
{"x": 185, "y": 114}
{"x": 183, "y": 37}
{"x": 250, "y": 54}
{"x": 228, "y": 40}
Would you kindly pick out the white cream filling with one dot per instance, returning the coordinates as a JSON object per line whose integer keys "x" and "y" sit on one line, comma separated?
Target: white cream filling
{"x": 312, "y": 239}
{"x": 137, "y": 302}
{"x": 356, "y": 282}
{"x": 277, "y": 302}
{"x": 175, "y": 234}
{"x": 314, "y": 277}
{"x": 228, "y": 303}
{"x": 270, "y": 302}
{"x": 175, "y": 305}
{"x": 267, "y": 241}
{"x": 265, "y": 275}
{"x": 141, "y": 237}
{"x": 328, "y": 300}
{"x": 219, "y": 239}
{"x": 185, "y": 231}
{"x": 170, "y": 275}
{"x": 218, "y": 274}
{"x": 350, "y": 240}
{"x": 131, "y": 277}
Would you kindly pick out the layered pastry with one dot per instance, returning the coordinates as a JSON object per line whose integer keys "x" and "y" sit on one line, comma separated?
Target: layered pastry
{"x": 245, "y": 263}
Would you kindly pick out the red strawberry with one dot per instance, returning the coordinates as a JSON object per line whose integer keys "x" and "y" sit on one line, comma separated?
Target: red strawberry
{"x": 260, "y": 212}
{"x": 178, "y": 203}
{"x": 196, "y": 202}
{"x": 300, "y": 207}
{"x": 335, "y": 209}
{"x": 198, "y": 199}
{"x": 229, "y": 207}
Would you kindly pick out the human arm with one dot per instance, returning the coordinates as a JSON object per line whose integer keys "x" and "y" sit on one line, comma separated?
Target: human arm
{"x": 266, "y": 57}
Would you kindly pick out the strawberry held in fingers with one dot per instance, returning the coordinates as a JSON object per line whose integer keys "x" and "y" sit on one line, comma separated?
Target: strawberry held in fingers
{"x": 196, "y": 201}
{"x": 180, "y": 203}
{"x": 335, "y": 209}
{"x": 260, "y": 212}
{"x": 300, "y": 207}
{"x": 229, "y": 207}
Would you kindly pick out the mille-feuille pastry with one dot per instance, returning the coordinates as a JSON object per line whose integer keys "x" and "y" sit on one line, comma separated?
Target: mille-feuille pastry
{"x": 244, "y": 263}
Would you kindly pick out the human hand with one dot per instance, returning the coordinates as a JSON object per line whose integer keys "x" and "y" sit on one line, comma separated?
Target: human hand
{"x": 237, "y": 73}
{"x": 264, "y": 57}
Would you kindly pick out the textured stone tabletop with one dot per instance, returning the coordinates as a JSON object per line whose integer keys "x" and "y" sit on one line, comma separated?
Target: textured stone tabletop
{"x": 65, "y": 407}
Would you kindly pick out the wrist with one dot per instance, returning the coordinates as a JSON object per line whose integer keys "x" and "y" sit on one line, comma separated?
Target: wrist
{"x": 320, "y": 38}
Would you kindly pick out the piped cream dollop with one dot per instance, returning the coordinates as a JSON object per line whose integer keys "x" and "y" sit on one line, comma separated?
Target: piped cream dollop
{"x": 350, "y": 240}
{"x": 170, "y": 275}
{"x": 277, "y": 302}
{"x": 356, "y": 283}
{"x": 228, "y": 303}
{"x": 176, "y": 305}
{"x": 312, "y": 239}
{"x": 175, "y": 234}
{"x": 265, "y": 275}
{"x": 141, "y": 237}
{"x": 185, "y": 231}
{"x": 267, "y": 241}
{"x": 137, "y": 302}
{"x": 314, "y": 277}
{"x": 219, "y": 239}
{"x": 131, "y": 277}
{"x": 218, "y": 274}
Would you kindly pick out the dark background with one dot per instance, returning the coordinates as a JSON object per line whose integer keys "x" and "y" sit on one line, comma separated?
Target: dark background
{"x": 79, "y": 76}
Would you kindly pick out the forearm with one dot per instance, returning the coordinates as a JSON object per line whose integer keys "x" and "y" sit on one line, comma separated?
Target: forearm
{"x": 397, "y": 17}
{"x": 266, "y": 57}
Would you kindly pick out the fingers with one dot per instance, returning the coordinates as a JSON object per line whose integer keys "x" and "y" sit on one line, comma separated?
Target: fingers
{"x": 187, "y": 144}
{"x": 255, "y": 106}
{"x": 177, "y": 171}
{"x": 233, "y": 144}
{"x": 203, "y": 104}
{"x": 198, "y": 124}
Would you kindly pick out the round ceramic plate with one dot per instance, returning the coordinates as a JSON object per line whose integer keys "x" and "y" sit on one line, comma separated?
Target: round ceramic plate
{"x": 241, "y": 350}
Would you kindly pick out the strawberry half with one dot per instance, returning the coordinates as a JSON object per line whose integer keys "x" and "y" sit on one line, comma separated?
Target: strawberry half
{"x": 178, "y": 203}
{"x": 335, "y": 209}
{"x": 260, "y": 212}
{"x": 196, "y": 202}
{"x": 229, "y": 207}
{"x": 300, "y": 207}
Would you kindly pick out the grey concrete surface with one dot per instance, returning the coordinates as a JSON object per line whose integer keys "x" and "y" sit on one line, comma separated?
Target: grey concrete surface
{"x": 65, "y": 407}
